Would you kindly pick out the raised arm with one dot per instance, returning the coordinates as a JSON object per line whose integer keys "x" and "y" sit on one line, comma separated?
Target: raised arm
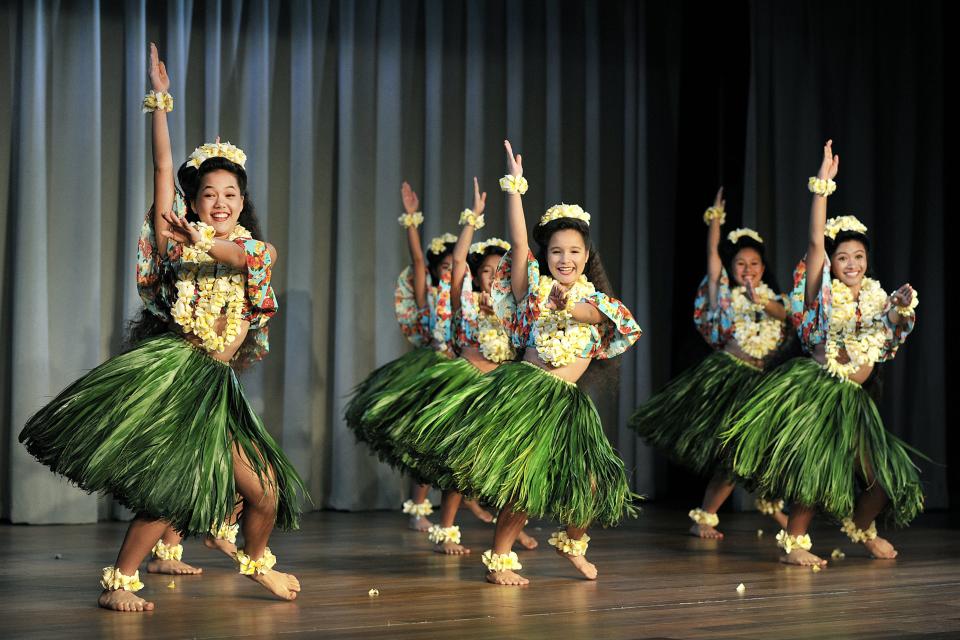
{"x": 816, "y": 254}
{"x": 714, "y": 264}
{"x": 462, "y": 247}
{"x": 518, "y": 228}
{"x": 411, "y": 203}
{"x": 163, "y": 185}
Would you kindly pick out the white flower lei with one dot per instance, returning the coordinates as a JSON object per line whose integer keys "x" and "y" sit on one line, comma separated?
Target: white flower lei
{"x": 202, "y": 295}
{"x": 757, "y": 338}
{"x": 856, "y": 326}
{"x": 559, "y": 338}
{"x": 494, "y": 342}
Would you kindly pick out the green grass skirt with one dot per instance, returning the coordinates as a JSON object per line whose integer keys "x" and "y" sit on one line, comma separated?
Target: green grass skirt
{"x": 684, "y": 419}
{"x": 528, "y": 438}
{"x": 155, "y": 427}
{"x": 392, "y": 410}
{"x": 397, "y": 372}
{"x": 447, "y": 390}
{"x": 806, "y": 436}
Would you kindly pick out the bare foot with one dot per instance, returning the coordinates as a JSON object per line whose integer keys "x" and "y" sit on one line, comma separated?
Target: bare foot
{"x": 479, "y": 512}
{"x": 705, "y": 531}
{"x": 507, "y": 578}
{"x": 584, "y": 566}
{"x": 451, "y": 549}
{"x": 880, "y": 549}
{"x": 803, "y": 558}
{"x": 282, "y": 585}
{"x": 123, "y": 600}
{"x": 225, "y": 547}
{"x": 419, "y": 523}
{"x": 173, "y": 567}
{"x": 781, "y": 519}
{"x": 527, "y": 542}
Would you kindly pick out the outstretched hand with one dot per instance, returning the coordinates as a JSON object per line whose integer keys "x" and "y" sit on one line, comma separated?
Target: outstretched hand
{"x": 903, "y": 296}
{"x": 479, "y": 199}
{"x": 514, "y": 162}
{"x": 411, "y": 203}
{"x": 179, "y": 230}
{"x": 750, "y": 292}
{"x": 830, "y": 163}
{"x": 158, "y": 71}
{"x": 557, "y": 299}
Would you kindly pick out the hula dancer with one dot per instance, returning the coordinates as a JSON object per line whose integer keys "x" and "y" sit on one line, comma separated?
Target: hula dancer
{"x": 745, "y": 326}
{"x": 812, "y": 429}
{"x": 424, "y": 315}
{"x": 165, "y": 427}
{"x": 530, "y": 441}
{"x": 429, "y": 406}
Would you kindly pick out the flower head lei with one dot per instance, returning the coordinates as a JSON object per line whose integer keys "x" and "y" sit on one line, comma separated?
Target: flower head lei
{"x": 735, "y": 235}
{"x": 843, "y": 223}
{"x": 438, "y": 244}
{"x": 217, "y": 150}
{"x": 561, "y": 210}
{"x": 483, "y": 245}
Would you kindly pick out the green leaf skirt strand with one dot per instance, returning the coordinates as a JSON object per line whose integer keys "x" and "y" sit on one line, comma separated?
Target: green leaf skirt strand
{"x": 684, "y": 419}
{"x": 528, "y": 438}
{"x": 807, "y": 436}
{"x": 156, "y": 427}
{"x": 393, "y": 412}
{"x": 398, "y": 373}
{"x": 431, "y": 406}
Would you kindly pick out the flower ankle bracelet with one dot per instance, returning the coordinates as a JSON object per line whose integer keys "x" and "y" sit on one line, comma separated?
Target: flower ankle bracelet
{"x": 856, "y": 534}
{"x": 501, "y": 561}
{"x": 788, "y": 542}
{"x": 704, "y": 518}
{"x": 568, "y": 545}
{"x": 249, "y": 566}
{"x": 162, "y": 551}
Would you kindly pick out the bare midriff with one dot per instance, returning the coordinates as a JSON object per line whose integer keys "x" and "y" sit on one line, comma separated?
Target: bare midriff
{"x": 859, "y": 377}
{"x": 569, "y": 372}
{"x": 474, "y": 357}
{"x": 733, "y": 348}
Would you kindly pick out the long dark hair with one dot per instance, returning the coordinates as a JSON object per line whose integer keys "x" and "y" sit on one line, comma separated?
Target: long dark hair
{"x": 601, "y": 374}
{"x": 147, "y": 325}
{"x": 593, "y": 269}
{"x": 475, "y": 260}
{"x": 729, "y": 251}
{"x": 434, "y": 260}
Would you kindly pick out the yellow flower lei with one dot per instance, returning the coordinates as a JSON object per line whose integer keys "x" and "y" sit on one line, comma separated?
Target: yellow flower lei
{"x": 202, "y": 295}
{"x": 494, "y": 341}
{"x": 501, "y": 561}
{"x": 112, "y": 580}
{"x": 157, "y": 101}
{"x": 217, "y": 150}
{"x": 467, "y": 216}
{"x": 438, "y": 535}
{"x": 225, "y": 531}
{"x": 820, "y": 186}
{"x": 861, "y": 335}
{"x": 768, "y": 507}
{"x": 162, "y": 551}
{"x": 559, "y": 338}
{"x": 714, "y": 213}
{"x": 562, "y": 210}
{"x": 855, "y": 533}
{"x": 704, "y": 517}
{"x": 408, "y": 220}
{"x": 788, "y": 542}
{"x": 568, "y": 545}
{"x": 833, "y": 226}
{"x": 736, "y": 234}
{"x": 418, "y": 510}
{"x": 757, "y": 338}
{"x": 438, "y": 244}
{"x": 514, "y": 184}
{"x": 249, "y": 566}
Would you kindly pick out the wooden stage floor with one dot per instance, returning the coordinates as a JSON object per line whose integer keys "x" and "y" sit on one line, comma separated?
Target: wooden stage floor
{"x": 654, "y": 583}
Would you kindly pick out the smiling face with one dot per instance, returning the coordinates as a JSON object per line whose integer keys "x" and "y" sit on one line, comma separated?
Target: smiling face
{"x": 566, "y": 256}
{"x": 486, "y": 272}
{"x": 219, "y": 201}
{"x": 747, "y": 265}
{"x": 848, "y": 264}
